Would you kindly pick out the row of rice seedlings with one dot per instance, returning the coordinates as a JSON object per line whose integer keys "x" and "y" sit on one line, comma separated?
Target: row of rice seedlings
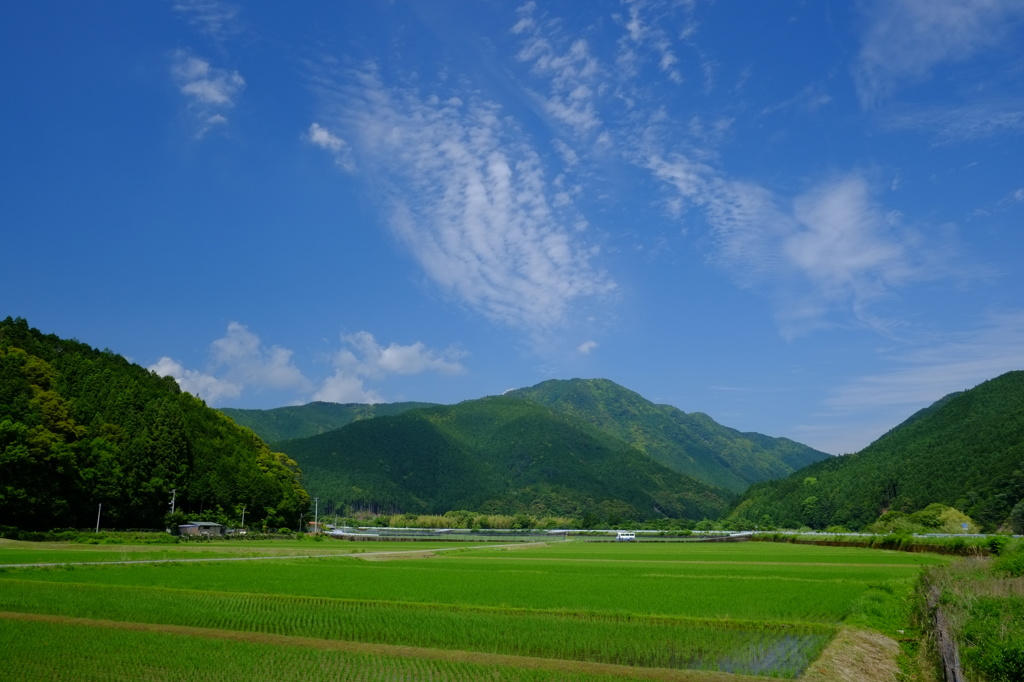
{"x": 717, "y": 551}
{"x": 738, "y": 591}
{"x": 49, "y": 651}
{"x": 626, "y": 640}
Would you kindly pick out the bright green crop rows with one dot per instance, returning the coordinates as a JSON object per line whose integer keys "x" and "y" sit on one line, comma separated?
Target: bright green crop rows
{"x": 745, "y": 591}
{"x": 14, "y": 552}
{"x": 45, "y": 651}
{"x": 669, "y": 606}
{"x": 628, "y": 640}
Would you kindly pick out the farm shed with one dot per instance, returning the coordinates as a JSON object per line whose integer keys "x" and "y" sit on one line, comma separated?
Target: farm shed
{"x": 201, "y": 528}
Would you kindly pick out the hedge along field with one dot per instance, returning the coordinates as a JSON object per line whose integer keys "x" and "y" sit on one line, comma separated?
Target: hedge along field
{"x": 745, "y": 614}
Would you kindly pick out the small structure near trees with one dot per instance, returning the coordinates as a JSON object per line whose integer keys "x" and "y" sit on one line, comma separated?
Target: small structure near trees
{"x": 204, "y": 528}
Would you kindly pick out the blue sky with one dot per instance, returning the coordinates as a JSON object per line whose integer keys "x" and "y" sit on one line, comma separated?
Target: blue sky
{"x": 802, "y": 218}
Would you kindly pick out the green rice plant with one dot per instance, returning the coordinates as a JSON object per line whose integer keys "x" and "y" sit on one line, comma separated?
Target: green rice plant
{"x": 765, "y": 648}
{"x": 50, "y": 651}
{"x": 747, "y": 591}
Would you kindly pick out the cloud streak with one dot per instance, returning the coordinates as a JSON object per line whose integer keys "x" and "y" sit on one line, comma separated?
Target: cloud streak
{"x": 832, "y": 249}
{"x": 907, "y": 39}
{"x": 469, "y": 197}
{"x": 209, "y": 91}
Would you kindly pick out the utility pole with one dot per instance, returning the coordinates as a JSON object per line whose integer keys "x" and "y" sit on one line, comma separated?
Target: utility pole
{"x": 316, "y": 517}
{"x": 243, "y": 517}
{"x": 98, "y": 512}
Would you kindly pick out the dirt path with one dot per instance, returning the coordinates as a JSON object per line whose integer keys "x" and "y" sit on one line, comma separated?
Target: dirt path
{"x": 624, "y": 671}
{"x": 372, "y": 556}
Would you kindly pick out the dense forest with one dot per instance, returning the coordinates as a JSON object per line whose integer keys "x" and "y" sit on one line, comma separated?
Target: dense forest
{"x": 497, "y": 455}
{"x": 312, "y": 419}
{"x": 966, "y": 452}
{"x": 690, "y": 443}
{"x": 80, "y": 428}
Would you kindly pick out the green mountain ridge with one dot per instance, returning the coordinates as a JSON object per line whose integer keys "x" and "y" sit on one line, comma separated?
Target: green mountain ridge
{"x": 498, "y": 455}
{"x": 80, "y": 427}
{"x": 693, "y": 444}
{"x": 312, "y": 419}
{"x": 965, "y": 451}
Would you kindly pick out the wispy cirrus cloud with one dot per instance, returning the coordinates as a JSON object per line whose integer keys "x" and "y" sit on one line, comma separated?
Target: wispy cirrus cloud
{"x": 218, "y": 20}
{"x": 209, "y": 91}
{"x": 469, "y": 197}
{"x": 962, "y": 123}
{"x": 906, "y": 39}
{"x": 955, "y": 363}
{"x": 568, "y": 67}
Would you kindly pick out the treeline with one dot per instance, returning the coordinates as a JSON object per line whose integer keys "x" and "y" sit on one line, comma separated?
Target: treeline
{"x": 80, "y": 428}
{"x": 964, "y": 452}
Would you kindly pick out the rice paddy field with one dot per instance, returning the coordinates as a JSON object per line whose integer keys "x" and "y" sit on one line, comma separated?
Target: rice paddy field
{"x": 560, "y": 611}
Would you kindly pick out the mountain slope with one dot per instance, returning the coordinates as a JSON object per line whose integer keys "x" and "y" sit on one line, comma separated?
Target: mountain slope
{"x": 693, "y": 444}
{"x": 81, "y": 427}
{"x": 302, "y": 421}
{"x": 496, "y": 455}
{"x": 965, "y": 451}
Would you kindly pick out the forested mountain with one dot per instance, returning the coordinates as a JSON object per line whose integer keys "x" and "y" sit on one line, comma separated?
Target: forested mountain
{"x": 966, "y": 451}
{"x": 496, "y": 455}
{"x": 81, "y": 427}
{"x": 302, "y": 421}
{"x": 693, "y": 444}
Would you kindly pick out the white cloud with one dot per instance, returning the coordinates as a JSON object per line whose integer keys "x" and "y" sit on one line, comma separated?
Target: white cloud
{"x": 834, "y": 250}
{"x": 338, "y": 148}
{"x": 906, "y": 39}
{"x": 208, "y": 90}
{"x": 216, "y": 19}
{"x": 468, "y": 196}
{"x": 205, "y": 386}
{"x": 243, "y": 358}
{"x": 375, "y": 360}
{"x": 586, "y": 347}
{"x": 240, "y": 362}
{"x": 362, "y": 357}
{"x": 346, "y": 388}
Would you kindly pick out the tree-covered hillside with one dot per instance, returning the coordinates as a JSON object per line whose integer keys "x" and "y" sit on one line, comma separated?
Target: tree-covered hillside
{"x": 496, "y": 455}
{"x": 966, "y": 451}
{"x": 81, "y": 427}
{"x": 312, "y": 419}
{"x": 693, "y": 444}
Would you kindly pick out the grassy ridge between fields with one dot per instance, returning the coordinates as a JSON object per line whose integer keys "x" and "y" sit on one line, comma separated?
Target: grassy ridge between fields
{"x": 729, "y": 609}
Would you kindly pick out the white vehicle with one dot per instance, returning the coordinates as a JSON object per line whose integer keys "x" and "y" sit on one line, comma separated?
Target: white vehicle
{"x": 624, "y": 536}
